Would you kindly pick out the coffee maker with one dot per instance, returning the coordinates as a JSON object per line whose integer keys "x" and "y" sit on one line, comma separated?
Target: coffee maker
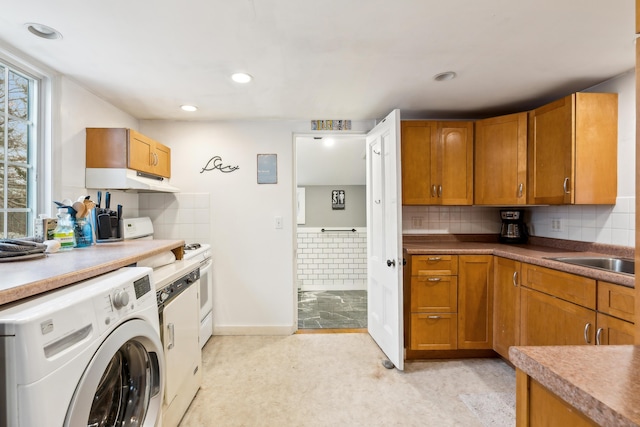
{"x": 513, "y": 228}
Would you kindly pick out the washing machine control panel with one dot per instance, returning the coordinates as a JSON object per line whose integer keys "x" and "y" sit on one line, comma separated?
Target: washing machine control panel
{"x": 120, "y": 299}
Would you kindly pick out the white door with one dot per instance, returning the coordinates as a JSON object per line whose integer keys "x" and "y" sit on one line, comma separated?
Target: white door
{"x": 384, "y": 237}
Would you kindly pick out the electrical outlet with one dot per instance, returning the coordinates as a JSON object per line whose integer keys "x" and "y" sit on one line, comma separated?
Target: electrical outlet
{"x": 416, "y": 222}
{"x": 557, "y": 225}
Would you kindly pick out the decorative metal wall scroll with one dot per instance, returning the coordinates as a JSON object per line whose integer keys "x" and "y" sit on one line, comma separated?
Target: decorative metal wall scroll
{"x": 215, "y": 163}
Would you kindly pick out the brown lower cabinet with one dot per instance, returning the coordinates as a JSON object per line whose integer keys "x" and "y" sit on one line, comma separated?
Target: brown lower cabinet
{"x": 506, "y": 305}
{"x": 451, "y": 307}
{"x": 547, "y": 320}
{"x": 537, "y": 406}
{"x": 486, "y": 302}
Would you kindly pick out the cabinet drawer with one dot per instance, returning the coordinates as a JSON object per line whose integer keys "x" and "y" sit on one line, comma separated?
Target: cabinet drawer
{"x": 434, "y": 294}
{"x": 434, "y": 331}
{"x": 569, "y": 287}
{"x": 441, "y": 265}
{"x": 612, "y": 331}
{"x": 616, "y": 300}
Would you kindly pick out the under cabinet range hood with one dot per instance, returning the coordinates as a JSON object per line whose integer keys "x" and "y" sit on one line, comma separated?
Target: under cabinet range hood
{"x": 126, "y": 180}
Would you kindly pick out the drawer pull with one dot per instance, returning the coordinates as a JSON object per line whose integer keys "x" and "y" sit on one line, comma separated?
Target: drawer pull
{"x": 434, "y": 258}
{"x": 587, "y": 327}
{"x": 434, "y": 279}
{"x": 433, "y": 317}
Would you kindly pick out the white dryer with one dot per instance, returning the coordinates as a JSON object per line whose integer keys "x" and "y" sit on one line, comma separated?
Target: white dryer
{"x": 86, "y": 355}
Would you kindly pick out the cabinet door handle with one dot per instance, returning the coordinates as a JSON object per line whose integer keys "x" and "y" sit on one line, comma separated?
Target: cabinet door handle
{"x": 172, "y": 336}
{"x": 155, "y": 155}
{"x": 433, "y": 190}
{"x": 433, "y": 317}
{"x": 599, "y": 336}
{"x": 439, "y": 190}
{"x": 565, "y": 186}
{"x": 515, "y": 278}
{"x": 391, "y": 262}
{"x": 520, "y": 189}
{"x": 433, "y": 279}
{"x": 434, "y": 258}
{"x": 587, "y": 327}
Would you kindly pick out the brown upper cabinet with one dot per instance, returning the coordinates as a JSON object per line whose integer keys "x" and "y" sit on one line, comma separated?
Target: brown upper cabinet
{"x": 572, "y": 156}
{"x": 437, "y": 163}
{"x": 501, "y": 160}
{"x": 126, "y": 148}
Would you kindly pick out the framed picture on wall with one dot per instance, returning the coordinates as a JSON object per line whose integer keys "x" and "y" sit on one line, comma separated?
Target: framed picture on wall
{"x": 267, "y": 168}
{"x": 337, "y": 199}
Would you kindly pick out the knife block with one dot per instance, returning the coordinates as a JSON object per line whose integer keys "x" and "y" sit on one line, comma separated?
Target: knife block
{"x": 107, "y": 226}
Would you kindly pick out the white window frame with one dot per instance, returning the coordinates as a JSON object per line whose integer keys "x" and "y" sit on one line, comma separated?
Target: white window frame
{"x": 41, "y": 143}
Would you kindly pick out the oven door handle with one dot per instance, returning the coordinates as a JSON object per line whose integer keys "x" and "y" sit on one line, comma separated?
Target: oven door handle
{"x": 172, "y": 336}
{"x": 206, "y": 265}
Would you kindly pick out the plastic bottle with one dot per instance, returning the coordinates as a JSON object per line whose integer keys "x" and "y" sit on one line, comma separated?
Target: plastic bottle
{"x": 38, "y": 228}
{"x": 64, "y": 230}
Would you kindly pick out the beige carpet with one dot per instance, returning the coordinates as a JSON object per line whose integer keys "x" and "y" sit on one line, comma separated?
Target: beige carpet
{"x": 338, "y": 380}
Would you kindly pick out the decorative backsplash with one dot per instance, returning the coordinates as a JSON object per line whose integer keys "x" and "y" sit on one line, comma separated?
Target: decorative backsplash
{"x": 183, "y": 216}
{"x": 613, "y": 225}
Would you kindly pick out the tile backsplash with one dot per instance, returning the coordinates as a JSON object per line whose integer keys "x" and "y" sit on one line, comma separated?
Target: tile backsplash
{"x": 183, "y": 216}
{"x": 614, "y": 225}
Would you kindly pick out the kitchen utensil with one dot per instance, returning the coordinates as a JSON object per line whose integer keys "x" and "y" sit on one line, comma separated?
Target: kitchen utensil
{"x": 103, "y": 222}
{"x": 99, "y": 199}
{"x": 107, "y": 200}
{"x": 80, "y": 208}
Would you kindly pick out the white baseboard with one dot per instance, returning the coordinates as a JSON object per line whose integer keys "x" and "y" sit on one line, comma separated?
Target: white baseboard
{"x": 254, "y": 330}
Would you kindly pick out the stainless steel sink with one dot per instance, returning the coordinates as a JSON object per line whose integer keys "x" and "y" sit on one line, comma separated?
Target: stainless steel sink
{"x": 616, "y": 265}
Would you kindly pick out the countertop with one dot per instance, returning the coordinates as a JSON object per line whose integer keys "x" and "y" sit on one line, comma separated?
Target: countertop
{"x": 535, "y": 253}
{"x": 22, "y": 279}
{"x": 603, "y": 382}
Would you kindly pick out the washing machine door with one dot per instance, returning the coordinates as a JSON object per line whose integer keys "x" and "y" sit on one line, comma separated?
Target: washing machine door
{"x": 122, "y": 386}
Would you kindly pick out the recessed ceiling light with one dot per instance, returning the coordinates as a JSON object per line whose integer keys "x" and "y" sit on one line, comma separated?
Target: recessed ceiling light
{"x": 241, "y": 77}
{"x": 43, "y": 31}
{"x": 447, "y": 75}
{"x": 189, "y": 107}
{"x": 328, "y": 142}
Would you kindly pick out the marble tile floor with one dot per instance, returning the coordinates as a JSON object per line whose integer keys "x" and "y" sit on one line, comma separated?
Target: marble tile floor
{"x": 332, "y": 309}
{"x": 328, "y": 380}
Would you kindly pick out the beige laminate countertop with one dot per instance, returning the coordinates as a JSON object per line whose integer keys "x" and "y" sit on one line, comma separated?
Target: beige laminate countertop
{"x": 22, "y": 279}
{"x": 531, "y": 254}
{"x": 603, "y": 382}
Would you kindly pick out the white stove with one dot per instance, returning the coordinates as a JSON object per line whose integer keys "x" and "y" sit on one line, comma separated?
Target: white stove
{"x": 194, "y": 254}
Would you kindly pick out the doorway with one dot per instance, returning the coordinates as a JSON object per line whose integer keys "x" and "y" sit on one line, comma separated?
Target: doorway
{"x": 331, "y": 233}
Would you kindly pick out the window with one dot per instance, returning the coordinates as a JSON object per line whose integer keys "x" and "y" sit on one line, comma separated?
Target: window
{"x": 18, "y": 191}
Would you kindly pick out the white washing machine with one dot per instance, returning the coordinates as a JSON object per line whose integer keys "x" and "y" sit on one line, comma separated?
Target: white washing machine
{"x": 86, "y": 355}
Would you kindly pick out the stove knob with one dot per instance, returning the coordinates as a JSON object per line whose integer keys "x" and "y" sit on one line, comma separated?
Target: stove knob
{"x": 120, "y": 299}
{"x": 163, "y": 296}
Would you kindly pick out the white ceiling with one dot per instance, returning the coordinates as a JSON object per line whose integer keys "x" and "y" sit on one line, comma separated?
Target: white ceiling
{"x": 329, "y": 59}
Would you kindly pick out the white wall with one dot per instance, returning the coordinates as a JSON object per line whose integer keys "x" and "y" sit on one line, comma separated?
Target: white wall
{"x": 79, "y": 109}
{"x": 254, "y": 290}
